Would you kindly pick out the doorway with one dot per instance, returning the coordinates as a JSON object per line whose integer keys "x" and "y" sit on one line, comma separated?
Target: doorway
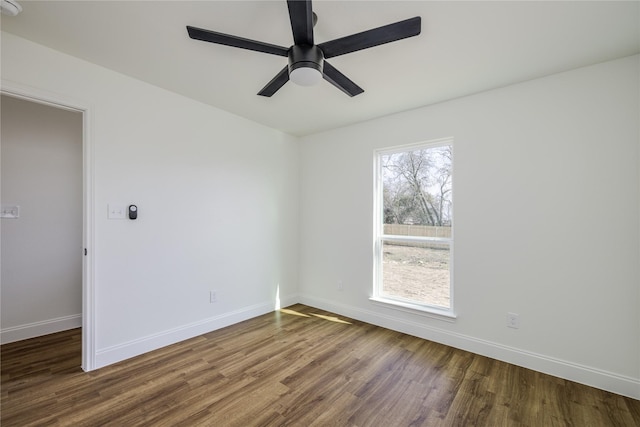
{"x": 45, "y": 171}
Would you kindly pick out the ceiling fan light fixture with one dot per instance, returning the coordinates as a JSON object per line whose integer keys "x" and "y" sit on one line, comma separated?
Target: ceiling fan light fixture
{"x": 305, "y": 65}
{"x": 305, "y": 76}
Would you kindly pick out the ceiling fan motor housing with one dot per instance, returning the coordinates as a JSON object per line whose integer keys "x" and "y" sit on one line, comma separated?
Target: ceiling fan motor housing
{"x": 305, "y": 56}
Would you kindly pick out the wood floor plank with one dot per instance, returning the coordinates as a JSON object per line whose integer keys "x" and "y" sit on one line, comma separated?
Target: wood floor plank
{"x": 299, "y": 366}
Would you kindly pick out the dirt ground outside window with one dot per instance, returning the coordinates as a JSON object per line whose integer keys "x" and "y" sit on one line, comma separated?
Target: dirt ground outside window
{"x": 416, "y": 273}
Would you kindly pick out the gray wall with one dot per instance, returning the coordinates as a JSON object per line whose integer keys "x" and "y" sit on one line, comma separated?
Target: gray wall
{"x": 41, "y": 251}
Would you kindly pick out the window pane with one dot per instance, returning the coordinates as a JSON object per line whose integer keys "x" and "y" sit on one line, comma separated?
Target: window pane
{"x": 414, "y": 208}
{"x": 416, "y": 186}
{"x": 418, "y": 272}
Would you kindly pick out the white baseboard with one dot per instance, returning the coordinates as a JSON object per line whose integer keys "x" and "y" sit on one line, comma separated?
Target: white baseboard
{"x": 609, "y": 381}
{"x": 117, "y": 353}
{"x": 36, "y": 329}
{"x": 615, "y": 383}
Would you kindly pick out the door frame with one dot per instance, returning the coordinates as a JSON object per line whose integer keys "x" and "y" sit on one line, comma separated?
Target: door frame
{"x": 55, "y": 100}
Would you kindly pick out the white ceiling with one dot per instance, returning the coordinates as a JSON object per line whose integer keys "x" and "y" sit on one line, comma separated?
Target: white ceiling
{"x": 464, "y": 48}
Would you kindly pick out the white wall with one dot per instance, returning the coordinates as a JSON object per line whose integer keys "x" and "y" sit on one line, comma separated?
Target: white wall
{"x": 42, "y": 249}
{"x": 546, "y": 208}
{"x": 217, "y": 199}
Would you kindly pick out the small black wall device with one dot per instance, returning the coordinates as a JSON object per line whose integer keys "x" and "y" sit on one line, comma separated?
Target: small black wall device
{"x": 133, "y": 212}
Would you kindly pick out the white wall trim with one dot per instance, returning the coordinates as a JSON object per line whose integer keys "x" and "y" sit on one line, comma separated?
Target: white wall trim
{"x": 36, "y": 329}
{"x": 29, "y": 93}
{"x": 126, "y": 350}
{"x": 609, "y": 381}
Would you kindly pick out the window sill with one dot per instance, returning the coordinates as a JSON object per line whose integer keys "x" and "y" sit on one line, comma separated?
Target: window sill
{"x": 432, "y": 312}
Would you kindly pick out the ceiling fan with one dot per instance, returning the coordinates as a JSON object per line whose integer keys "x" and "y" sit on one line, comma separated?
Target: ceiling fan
{"x": 307, "y": 60}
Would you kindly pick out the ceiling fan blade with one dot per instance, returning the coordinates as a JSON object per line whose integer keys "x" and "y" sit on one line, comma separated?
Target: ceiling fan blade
{"x": 339, "y": 80}
{"x": 301, "y": 16}
{"x": 235, "y": 41}
{"x": 370, "y": 38}
{"x": 276, "y": 83}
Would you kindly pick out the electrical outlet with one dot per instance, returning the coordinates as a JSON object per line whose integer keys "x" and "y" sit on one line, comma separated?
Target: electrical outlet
{"x": 213, "y": 297}
{"x": 513, "y": 320}
{"x": 340, "y": 285}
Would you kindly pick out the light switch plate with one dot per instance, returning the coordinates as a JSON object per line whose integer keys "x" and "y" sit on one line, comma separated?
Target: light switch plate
{"x": 10, "y": 211}
{"x": 117, "y": 211}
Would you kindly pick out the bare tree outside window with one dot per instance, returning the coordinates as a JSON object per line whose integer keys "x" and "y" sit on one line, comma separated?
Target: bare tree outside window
{"x": 417, "y": 187}
{"x": 415, "y": 242}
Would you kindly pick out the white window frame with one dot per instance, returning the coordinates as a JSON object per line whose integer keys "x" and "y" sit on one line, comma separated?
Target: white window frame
{"x": 379, "y": 237}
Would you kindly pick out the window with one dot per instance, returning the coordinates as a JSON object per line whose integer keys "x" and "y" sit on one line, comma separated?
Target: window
{"x": 413, "y": 227}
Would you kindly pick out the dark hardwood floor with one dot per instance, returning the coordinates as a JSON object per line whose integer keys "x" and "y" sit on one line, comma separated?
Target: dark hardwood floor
{"x": 296, "y": 367}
